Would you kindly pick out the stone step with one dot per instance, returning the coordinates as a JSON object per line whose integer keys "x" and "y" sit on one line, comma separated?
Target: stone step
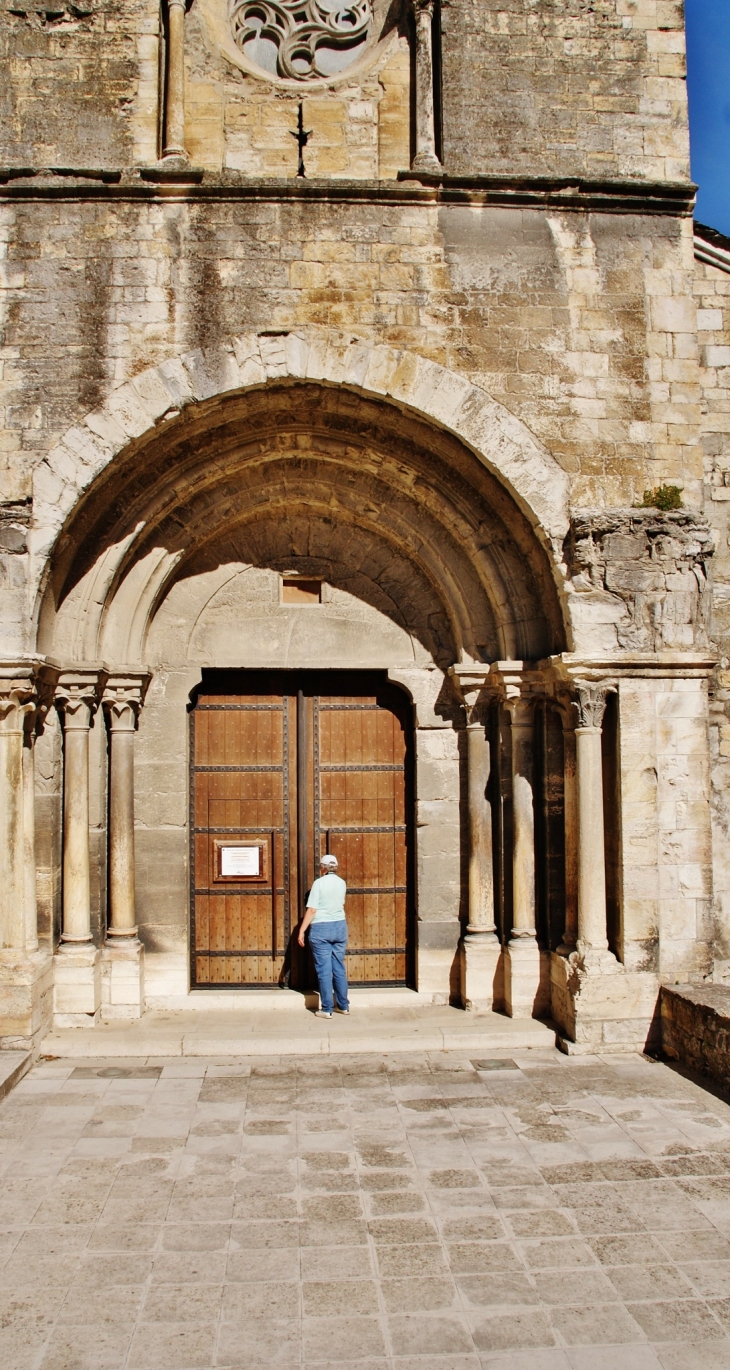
{"x": 13, "y": 1066}
{"x": 389, "y": 1028}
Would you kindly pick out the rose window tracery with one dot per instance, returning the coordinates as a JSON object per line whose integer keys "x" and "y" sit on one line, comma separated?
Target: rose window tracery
{"x": 301, "y": 41}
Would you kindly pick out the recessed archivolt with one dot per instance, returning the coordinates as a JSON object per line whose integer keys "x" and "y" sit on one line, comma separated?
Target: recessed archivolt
{"x": 358, "y": 489}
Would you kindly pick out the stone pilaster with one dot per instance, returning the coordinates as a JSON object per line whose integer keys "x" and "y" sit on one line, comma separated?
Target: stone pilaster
{"x": 25, "y": 969}
{"x": 77, "y": 970}
{"x": 123, "y": 955}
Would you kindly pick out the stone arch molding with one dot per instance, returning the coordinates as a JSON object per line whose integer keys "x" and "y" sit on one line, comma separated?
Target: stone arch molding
{"x": 157, "y": 395}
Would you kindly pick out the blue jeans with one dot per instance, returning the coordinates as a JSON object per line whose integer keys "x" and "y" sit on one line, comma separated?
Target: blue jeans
{"x": 329, "y": 943}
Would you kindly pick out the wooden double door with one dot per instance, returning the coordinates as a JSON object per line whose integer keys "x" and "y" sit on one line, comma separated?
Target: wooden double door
{"x": 285, "y": 767}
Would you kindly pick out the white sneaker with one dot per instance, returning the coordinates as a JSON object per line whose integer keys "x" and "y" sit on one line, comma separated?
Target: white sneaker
{"x": 341, "y": 1010}
{"x": 322, "y": 1013}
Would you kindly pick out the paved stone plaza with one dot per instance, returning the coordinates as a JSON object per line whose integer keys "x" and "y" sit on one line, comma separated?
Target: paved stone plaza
{"x": 541, "y": 1213}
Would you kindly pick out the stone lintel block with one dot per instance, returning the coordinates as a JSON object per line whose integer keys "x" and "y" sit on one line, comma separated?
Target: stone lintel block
{"x": 122, "y": 979}
{"x": 76, "y": 985}
{"x": 26, "y": 998}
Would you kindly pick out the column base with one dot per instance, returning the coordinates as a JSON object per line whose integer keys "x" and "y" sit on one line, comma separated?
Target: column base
{"x": 480, "y": 954}
{"x": 524, "y": 992}
{"x": 26, "y": 998}
{"x": 122, "y": 980}
{"x": 427, "y": 163}
{"x": 600, "y": 1006}
{"x": 76, "y": 985}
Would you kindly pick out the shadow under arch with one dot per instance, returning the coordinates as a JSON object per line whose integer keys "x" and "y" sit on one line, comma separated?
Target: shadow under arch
{"x": 383, "y": 504}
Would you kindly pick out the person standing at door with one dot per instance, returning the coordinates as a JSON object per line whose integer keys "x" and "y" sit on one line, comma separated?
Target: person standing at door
{"x": 325, "y": 918}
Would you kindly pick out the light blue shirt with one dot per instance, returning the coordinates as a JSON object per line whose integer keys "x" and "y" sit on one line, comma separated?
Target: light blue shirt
{"x": 327, "y": 896}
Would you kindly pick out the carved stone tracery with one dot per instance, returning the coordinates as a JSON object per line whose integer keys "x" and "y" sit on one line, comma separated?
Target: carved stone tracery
{"x": 301, "y": 40}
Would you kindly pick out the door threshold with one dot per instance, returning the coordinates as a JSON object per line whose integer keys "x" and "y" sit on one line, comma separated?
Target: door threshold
{"x": 289, "y": 1000}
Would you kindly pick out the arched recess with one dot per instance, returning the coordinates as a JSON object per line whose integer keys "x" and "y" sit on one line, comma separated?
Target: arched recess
{"x": 389, "y": 511}
{"x": 398, "y": 482}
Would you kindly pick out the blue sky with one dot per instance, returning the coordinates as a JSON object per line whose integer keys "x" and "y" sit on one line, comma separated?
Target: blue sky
{"x": 708, "y": 81}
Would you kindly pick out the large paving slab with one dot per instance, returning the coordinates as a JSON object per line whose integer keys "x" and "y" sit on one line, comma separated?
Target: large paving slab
{"x": 288, "y": 1026}
{"x": 382, "y": 1212}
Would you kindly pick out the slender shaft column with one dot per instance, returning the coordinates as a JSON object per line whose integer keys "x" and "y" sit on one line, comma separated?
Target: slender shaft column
{"x": 523, "y": 817}
{"x": 77, "y": 698}
{"x": 175, "y": 81}
{"x": 29, "y": 862}
{"x": 591, "y": 704}
{"x": 122, "y": 700}
{"x": 425, "y": 158}
{"x": 481, "y": 875}
{"x": 16, "y": 702}
{"x": 480, "y": 947}
{"x": 522, "y": 983}
{"x": 570, "y": 812}
{"x": 26, "y": 977}
{"x": 123, "y": 956}
{"x": 77, "y": 972}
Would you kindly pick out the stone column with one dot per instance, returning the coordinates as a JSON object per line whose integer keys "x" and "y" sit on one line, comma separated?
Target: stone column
{"x": 175, "y": 83}
{"x": 481, "y": 948}
{"x": 591, "y": 861}
{"x": 77, "y": 990}
{"x": 522, "y": 981}
{"x": 17, "y": 705}
{"x": 570, "y": 814}
{"x": 25, "y": 970}
{"x": 425, "y": 158}
{"x": 123, "y": 956}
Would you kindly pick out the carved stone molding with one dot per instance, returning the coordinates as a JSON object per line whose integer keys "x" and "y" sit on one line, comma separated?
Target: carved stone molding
{"x": 301, "y": 40}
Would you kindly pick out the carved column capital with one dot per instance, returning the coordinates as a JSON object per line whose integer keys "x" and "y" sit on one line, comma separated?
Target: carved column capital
{"x": 590, "y": 704}
{"x": 26, "y": 693}
{"x": 78, "y": 693}
{"x": 475, "y": 689}
{"x": 123, "y": 698}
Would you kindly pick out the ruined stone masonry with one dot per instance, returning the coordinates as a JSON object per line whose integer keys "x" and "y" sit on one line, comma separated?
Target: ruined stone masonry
{"x": 340, "y": 349}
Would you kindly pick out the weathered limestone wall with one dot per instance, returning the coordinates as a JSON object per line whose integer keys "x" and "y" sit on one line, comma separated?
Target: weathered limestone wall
{"x": 530, "y": 87}
{"x": 582, "y": 325}
{"x": 565, "y": 89}
{"x": 695, "y": 1028}
{"x": 80, "y": 83}
{"x": 712, "y": 293}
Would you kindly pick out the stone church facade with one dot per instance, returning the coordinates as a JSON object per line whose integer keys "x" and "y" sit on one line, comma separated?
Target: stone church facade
{"x": 339, "y": 349}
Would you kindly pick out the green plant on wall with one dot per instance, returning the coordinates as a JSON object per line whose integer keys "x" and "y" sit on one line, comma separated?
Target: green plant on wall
{"x": 662, "y": 497}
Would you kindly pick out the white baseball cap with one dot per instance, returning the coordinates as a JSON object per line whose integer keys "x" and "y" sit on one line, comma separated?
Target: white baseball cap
{"x": 330, "y": 861}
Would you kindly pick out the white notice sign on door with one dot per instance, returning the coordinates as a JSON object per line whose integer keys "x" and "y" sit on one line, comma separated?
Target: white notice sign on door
{"x": 241, "y": 860}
